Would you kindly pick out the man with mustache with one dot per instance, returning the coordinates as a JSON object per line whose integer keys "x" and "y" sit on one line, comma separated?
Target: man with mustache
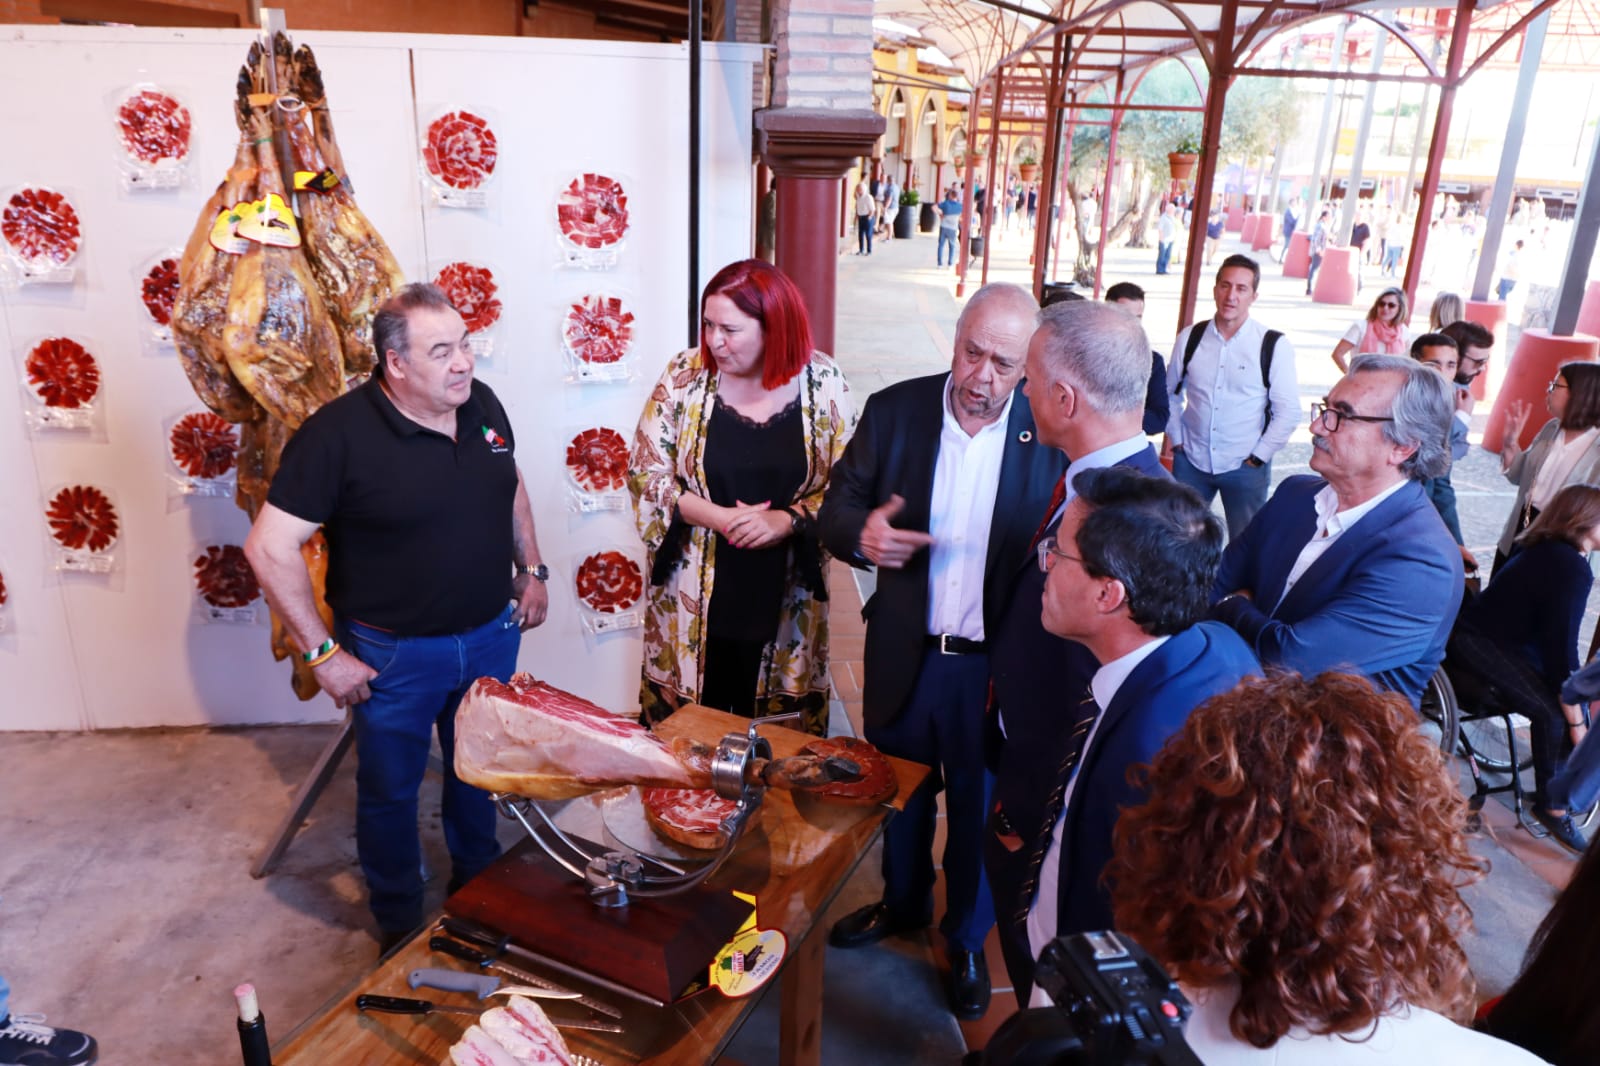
{"x": 1354, "y": 570}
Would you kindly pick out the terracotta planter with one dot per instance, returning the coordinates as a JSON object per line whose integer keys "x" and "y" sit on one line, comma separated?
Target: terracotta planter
{"x": 1028, "y": 172}
{"x": 1182, "y": 165}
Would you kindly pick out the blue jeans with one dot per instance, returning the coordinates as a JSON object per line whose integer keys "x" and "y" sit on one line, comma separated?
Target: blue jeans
{"x": 419, "y": 683}
{"x": 1504, "y": 289}
{"x": 942, "y": 726}
{"x": 1391, "y": 258}
{"x": 1311, "y": 271}
{"x": 1163, "y": 256}
{"x": 1575, "y": 787}
{"x": 1443, "y": 495}
{"x": 1244, "y": 489}
{"x": 5, "y": 998}
{"x": 947, "y": 237}
{"x": 863, "y": 234}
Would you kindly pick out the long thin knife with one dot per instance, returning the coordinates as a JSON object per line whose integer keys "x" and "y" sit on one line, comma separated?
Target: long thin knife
{"x": 402, "y": 1005}
{"x": 466, "y": 953}
{"x": 495, "y": 944}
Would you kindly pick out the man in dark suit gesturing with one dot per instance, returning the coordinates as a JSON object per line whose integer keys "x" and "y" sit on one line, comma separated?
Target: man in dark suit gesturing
{"x": 1088, "y": 367}
{"x": 1128, "y": 576}
{"x": 1355, "y": 570}
{"x": 939, "y": 489}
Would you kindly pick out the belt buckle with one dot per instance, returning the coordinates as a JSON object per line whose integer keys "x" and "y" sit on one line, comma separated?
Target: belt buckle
{"x": 944, "y": 644}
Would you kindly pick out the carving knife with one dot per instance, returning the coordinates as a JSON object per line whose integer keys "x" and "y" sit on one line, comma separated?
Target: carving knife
{"x": 401, "y": 1005}
{"x": 495, "y": 944}
{"x": 479, "y": 959}
{"x": 481, "y": 985}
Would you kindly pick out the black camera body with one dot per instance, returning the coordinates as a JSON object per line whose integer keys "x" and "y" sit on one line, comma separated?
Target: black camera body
{"x": 1114, "y": 1006}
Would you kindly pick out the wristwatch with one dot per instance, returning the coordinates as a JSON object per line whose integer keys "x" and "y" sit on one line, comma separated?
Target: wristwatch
{"x": 538, "y": 573}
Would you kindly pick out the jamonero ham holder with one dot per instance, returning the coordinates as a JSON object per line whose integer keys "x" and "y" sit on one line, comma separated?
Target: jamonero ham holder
{"x": 530, "y": 744}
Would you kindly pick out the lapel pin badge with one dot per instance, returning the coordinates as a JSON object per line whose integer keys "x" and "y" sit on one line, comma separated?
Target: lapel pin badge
{"x": 1025, "y": 436}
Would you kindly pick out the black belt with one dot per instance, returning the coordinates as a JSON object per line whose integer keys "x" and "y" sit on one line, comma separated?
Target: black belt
{"x": 949, "y": 644}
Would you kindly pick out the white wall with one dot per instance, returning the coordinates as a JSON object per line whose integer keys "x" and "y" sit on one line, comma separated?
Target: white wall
{"x": 83, "y": 651}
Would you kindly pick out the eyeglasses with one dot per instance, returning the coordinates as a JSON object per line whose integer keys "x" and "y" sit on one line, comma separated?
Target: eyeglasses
{"x": 1473, "y": 360}
{"x": 1388, "y": 303}
{"x": 1331, "y": 417}
{"x": 1554, "y": 385}
{"x": 1049, "y": 552}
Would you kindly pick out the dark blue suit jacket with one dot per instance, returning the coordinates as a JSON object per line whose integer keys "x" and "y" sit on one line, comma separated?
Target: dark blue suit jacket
{"x": 1380, "y": 602}
{"x": 1150, "y": 706}
{"x": 1034, "y": 673}
{"x": 895, "y": 447}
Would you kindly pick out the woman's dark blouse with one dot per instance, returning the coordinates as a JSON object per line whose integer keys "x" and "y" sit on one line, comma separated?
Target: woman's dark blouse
{"x": 1534, "y": 606}
{"x": 750, "y": 462}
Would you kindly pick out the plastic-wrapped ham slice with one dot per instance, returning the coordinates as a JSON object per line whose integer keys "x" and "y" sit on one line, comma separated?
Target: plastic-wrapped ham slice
{"x": 159, "y": 289}
{"x": 597, "y": 459}
{"x": 224, "y": 577}
{"x": 598, "y": 329}
{"x": 593, "y": 211}
{"x": 40, "y": 226}
{"x": 461, "y": 150}
{"x": 62, "y": 373}
{"x": 82, "y": 518}
{"x": 204, "y": 445}
{"x": 478, "y": 1048}
{"x": 154, "y": 127}
{"x": 472, "y": 290}
{"x": 609, "y": 582}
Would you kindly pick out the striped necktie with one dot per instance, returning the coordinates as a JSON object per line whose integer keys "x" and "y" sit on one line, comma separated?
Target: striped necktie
{"x": 1084, "y": 716}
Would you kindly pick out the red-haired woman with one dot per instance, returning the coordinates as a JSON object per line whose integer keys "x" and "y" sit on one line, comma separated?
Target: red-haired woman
{"x": 1298, "y": 868}
{"x": 729, "y": 463}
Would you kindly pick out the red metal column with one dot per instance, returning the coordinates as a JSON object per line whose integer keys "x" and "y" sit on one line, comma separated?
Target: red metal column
{"x": 1068, "y": 209}
{"x": 1211, "y": 132}
{"x": 966, "y": 193}
{"x": 1050, "y": 186}
{"x": 811, "y": 151}
{"x": 1105, "y": 192}
{"x": 989, "y": 202}
{"x": 1441, "y": 133}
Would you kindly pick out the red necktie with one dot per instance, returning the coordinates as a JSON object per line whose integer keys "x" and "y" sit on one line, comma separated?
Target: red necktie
{"x": 1057, "y": 498}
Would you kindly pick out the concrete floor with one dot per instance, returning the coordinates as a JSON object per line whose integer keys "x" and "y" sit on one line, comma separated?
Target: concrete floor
{"x": 127, "y": 910}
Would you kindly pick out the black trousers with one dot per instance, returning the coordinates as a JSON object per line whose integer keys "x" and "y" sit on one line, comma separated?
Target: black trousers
{"x": 1527, "y": 694}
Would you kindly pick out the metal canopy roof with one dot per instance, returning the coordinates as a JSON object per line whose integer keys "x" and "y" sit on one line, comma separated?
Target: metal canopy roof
{"x": 1107, "y": 36}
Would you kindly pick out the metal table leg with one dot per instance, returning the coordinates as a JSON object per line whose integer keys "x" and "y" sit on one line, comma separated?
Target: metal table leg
{"x": 321, "y": 773}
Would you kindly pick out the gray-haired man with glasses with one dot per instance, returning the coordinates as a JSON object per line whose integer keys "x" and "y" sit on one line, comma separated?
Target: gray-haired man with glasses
{"x": 1354, "y": 569}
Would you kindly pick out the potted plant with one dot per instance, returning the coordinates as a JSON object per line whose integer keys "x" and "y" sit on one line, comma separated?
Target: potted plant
{"x": 1182, "y": 159}
{"x": 905, "y": 222}
{"x": 928, "y": 220}
{"x": 1028, "y": 167}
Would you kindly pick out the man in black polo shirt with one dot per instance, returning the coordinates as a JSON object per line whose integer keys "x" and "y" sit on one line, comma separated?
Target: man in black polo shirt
{"x": 413, "y": 479}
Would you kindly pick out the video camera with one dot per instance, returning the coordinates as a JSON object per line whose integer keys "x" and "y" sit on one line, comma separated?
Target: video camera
{"x": 1114, "y": 1006}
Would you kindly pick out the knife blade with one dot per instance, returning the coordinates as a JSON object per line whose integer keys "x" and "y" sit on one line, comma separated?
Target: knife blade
{"x": 479, "y": 985}
{"x": 402, "y": 1005}
{"x": 466, "y": 953}
{"x": 495, "y": 944}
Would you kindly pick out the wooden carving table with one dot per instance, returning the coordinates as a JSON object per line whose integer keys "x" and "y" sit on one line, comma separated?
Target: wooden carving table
{"x": 794, "y": 859}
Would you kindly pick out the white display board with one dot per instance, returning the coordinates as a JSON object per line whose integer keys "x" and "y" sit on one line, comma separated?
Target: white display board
{"x": 124, "y": 650}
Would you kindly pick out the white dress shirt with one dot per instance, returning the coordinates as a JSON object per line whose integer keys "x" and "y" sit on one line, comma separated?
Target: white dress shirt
{"x": 1042, "y": 914}
{"x": 966, "y": 476}
{"x": 1216, "y": 419}
{"x": 1110, "y": 455}
{"x": 1332, "y": 523}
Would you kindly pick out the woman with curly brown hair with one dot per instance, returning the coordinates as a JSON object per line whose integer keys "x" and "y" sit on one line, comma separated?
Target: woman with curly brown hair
{"x": 1298, "y": 868}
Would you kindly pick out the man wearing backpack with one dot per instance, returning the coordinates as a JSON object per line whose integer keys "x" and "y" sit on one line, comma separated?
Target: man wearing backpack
{"x": 1234, "y": 398}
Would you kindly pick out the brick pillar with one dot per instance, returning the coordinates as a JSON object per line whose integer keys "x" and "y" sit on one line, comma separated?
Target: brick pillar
{"x": 821, "y": 120}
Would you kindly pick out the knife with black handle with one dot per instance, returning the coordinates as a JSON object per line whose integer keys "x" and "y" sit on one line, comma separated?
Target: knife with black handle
{"x": 466, "y": 953}
{"x": 401, "y": 1005}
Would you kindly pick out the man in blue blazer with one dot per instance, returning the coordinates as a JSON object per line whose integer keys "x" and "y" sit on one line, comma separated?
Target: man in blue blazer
{"x": 1088, "y": 367}
{"x": 1129, "y": 575}
{"x": 1354, "y": 570}
{"x": 940, "y": 489}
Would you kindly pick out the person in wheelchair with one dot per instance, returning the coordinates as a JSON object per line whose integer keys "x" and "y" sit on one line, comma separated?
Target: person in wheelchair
{"x": 1521, "y": 636}
{"x": 1297, "y": 867}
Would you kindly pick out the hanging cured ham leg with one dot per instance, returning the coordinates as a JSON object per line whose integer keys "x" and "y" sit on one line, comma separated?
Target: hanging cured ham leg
{"x": 281, "y": 342}
{"x": 534, "y": 740}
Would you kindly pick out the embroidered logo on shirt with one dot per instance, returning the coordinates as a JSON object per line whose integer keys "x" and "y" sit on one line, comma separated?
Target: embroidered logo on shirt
{"x": 497, "y": 443}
